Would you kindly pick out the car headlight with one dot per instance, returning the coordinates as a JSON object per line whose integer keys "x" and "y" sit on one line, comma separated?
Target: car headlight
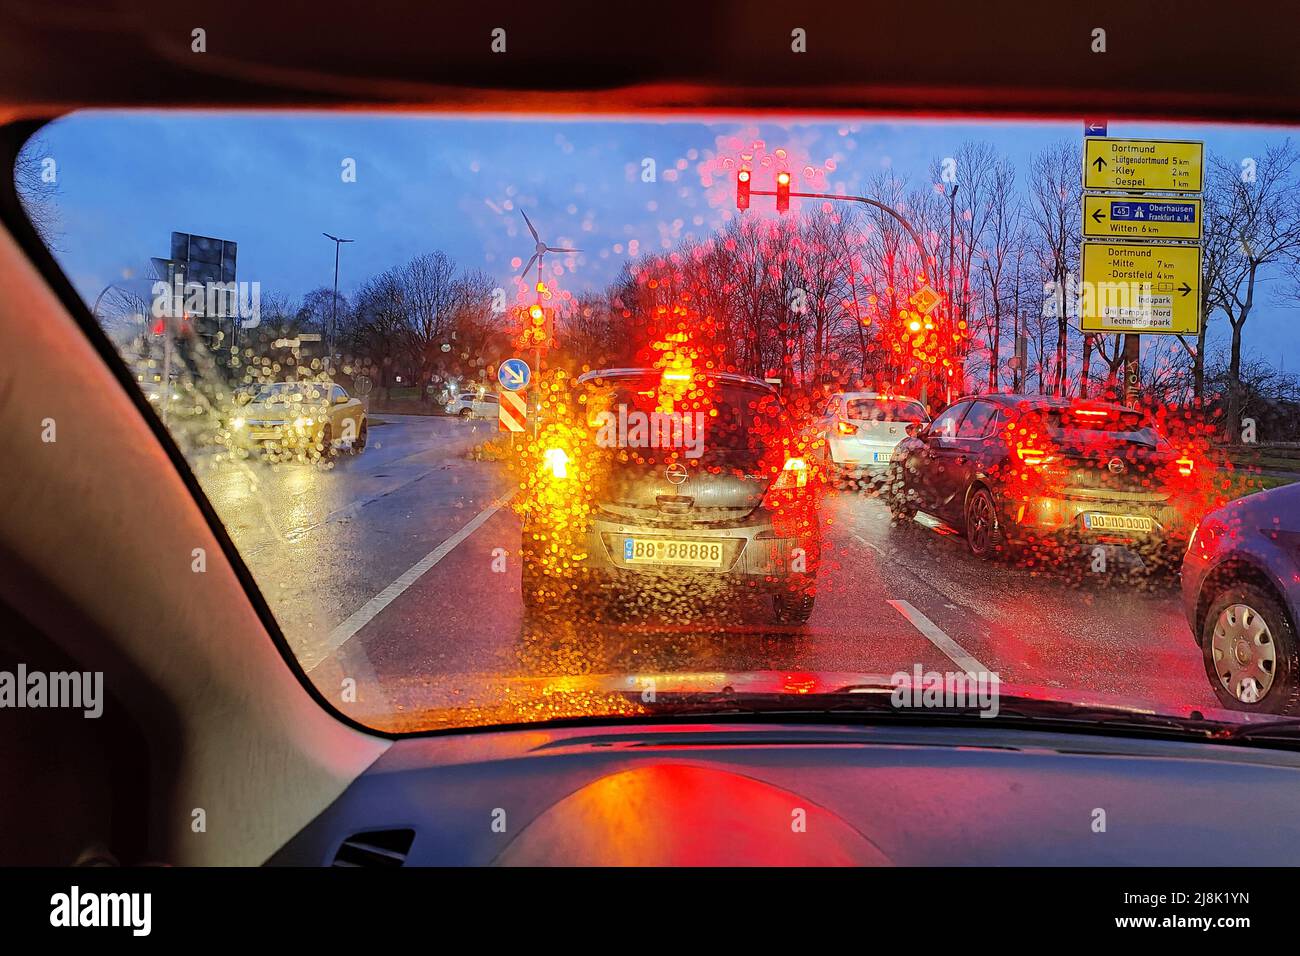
{"x": 302, "y": 423}
{"x": 237, "y": 424}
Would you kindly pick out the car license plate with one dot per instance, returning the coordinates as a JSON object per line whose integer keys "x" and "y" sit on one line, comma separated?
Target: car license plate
{"x": 882, "y": 456}
{"x": 670, "y": 552}
{"x": 1103, "y": 522}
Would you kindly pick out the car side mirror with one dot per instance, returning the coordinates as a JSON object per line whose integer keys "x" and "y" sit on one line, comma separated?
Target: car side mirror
{"x": 341, "y": 400}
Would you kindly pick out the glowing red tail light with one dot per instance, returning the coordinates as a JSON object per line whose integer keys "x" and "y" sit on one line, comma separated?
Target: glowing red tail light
{"x": 1186, "y": 466}
{"x": 792, "y": 476}
{"x": 1033, "y": 456}
{"x": 846, "y": 428}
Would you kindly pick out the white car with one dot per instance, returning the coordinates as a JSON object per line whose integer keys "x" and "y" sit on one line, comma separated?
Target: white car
{"x": 860, "y": 429}
{"x": 473, "y": 405}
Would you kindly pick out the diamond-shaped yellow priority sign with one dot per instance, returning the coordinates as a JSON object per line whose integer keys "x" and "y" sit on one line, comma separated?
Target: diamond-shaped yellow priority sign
{"x": 1141, "y": 287}
{"x": 926, "y": 299}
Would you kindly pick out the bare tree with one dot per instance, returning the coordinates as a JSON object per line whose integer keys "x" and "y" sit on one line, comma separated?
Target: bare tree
{"x": 1261, "y": 216}
{"x": 37, "y": 189}
{"x": 1055, "y": 208}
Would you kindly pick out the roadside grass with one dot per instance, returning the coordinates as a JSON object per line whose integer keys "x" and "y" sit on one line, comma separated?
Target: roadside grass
{"x": 1242, "y": 482}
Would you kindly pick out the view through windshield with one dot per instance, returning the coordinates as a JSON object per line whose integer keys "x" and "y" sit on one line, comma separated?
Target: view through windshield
{"x": 524, "y": 420}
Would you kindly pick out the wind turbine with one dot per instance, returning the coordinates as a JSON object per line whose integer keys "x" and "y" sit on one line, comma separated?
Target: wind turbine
{"x": 540, "y": 249}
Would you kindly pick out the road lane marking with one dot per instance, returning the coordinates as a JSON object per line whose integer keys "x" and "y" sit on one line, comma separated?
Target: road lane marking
{"x": 368, "y": 611}
{"x": 955, "y": 652}
{"x": 874, "y": 547}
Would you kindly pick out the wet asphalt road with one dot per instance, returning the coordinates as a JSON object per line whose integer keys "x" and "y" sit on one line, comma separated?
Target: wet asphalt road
{"x": 385, "y": 568}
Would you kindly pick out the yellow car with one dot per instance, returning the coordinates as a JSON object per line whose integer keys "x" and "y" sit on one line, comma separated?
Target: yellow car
{"x": 305, "y": 417}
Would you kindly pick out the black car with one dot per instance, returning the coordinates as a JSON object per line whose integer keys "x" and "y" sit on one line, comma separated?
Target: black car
{"x": 1012, "y": 470}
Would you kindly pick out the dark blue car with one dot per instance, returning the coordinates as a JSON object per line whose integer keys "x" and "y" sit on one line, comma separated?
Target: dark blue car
{"x": 1241, "y": 585}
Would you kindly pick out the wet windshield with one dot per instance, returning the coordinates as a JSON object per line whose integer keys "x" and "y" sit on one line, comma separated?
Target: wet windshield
{"x": 627, "y": 399}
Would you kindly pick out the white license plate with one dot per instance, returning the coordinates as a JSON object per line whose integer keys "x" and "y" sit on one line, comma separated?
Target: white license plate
{"x": 1102, "y": 522}
{"x": 882, "y": 456}
{"x": 668, "y": 552}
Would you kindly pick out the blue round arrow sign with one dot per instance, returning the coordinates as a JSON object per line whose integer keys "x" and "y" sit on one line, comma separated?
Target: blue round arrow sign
{"x": 514, "y": 374}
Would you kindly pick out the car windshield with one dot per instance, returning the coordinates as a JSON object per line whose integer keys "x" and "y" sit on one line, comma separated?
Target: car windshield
{"x": 591, "y": 465}
{"x": 885, "y": 410}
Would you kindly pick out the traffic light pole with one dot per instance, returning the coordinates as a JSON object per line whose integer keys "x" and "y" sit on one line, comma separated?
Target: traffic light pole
{"x": 911, "y": 230}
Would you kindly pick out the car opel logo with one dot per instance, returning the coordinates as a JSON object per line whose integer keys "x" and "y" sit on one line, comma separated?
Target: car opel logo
{"x": 676, "y": 473}
{"x": 1115, "y": 465}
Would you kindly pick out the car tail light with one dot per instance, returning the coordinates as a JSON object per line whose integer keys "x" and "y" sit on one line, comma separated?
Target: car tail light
{"x": 1186, "y": 466}
{"x": 846, "y": 428}
{"x": 1034, "y": 456}
{"x": 793, "y": 475}
{"x": 789, "y": 486}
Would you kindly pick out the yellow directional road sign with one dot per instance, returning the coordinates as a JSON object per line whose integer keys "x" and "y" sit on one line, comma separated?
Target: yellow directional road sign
{"x": 1133, "y": 217}
{"x": 1140, "y": 287}
{"x": 1143, "y": 165}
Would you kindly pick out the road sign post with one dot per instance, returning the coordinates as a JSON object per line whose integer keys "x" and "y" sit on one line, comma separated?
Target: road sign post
{"x": 1132, "y": 368}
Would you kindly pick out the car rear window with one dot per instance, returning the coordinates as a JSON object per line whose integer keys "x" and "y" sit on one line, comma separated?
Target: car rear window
{"x": 885, "y": 410}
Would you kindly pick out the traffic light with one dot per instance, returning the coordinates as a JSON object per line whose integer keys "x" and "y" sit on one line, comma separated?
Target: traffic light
{"x": 539, "y": 326}
{"x": 742, "y": 189}
{"x": 783, "y": 191}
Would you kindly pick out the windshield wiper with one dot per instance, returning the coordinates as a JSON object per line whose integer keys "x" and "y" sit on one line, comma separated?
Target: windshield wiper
{"x": 875, "y": 702}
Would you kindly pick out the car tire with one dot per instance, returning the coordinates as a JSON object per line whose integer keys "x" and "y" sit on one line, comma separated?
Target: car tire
{"x": 982, "y": 527}
{"x": 359, "y": 443}
{"x": 326, "y": 442}
{"x": 1231, "y": 621}
{"x": 792, "y": 608}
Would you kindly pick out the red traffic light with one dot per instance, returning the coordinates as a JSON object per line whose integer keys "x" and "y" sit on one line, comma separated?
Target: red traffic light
{"x": 742, "y": 189}
{"x": 783, "y": 191}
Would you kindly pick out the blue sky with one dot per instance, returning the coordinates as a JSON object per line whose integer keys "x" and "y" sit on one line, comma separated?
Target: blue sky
{"x": 272, "y": 183}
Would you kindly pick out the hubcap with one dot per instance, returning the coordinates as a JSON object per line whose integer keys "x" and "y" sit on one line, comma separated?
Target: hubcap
{"x": 1245, "y": 657}
{"x": 980, "y": 523}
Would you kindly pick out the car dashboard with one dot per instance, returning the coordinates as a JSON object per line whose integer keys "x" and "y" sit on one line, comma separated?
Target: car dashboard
{"x": 794, "y": 794}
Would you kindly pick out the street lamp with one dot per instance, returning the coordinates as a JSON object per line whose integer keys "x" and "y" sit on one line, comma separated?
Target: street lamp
{"x": 334, "y": 303}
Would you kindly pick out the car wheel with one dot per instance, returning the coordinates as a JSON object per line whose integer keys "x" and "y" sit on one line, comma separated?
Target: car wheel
{"x": 982, "y": 530}
{"x": 1250, "y": 651}
{"x": 326, "y": 442}
{"x": 359, "y": 443}
{"x": 792, "y": 609}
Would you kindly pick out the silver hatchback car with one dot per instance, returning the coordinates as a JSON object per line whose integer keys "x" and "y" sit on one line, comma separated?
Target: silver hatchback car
{"x": 710, "y": 496}
{"x": 858, "y": 432}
